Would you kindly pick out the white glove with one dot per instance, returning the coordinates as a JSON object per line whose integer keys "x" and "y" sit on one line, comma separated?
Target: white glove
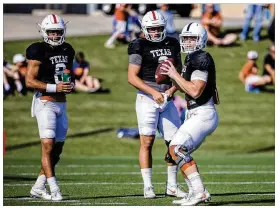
{"x": 165, "y": 102}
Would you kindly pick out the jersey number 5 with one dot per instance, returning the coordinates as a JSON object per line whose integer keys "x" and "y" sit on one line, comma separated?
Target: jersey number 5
{"x": 59, "y": 68}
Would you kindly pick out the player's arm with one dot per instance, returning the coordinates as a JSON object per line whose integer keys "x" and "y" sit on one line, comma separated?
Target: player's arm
{"x": 134, "y": 80}
{"x": 134, "y": 67}
{"x": 31, "y": 74}
{"x": 194, "y": 88}
{"x": 32, "y": 82}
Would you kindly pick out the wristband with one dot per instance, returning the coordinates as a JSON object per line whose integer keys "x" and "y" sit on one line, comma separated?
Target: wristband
{"x": 51, "y": 88}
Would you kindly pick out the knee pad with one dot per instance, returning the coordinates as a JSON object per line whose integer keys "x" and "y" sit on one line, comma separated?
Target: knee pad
{"x": 183, "y": 151}
{"x": 168, "y": 158}
{"x": 47, "y": 133}
{"x": 183, "y": 156}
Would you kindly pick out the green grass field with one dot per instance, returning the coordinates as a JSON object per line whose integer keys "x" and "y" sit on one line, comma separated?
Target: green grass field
{"x": 236, "y": 161}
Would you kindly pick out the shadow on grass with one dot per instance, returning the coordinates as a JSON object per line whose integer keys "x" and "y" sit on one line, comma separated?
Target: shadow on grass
{"x": 266, "y": 149}
{"x": 268, "y": 90}
{"x": 18, "y": 178}
{"x": 83, "y": 134}
{"x": 241, "y": 193}
{"x": 117, "y": 196}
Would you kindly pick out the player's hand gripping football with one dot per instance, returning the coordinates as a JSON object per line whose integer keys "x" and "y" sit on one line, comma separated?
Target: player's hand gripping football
{"x": 169, "y": 70}
{"x": 64, "y": 87}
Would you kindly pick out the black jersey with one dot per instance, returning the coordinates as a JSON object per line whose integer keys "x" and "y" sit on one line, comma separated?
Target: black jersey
{"x": 153, "y": 53}
{"x": 202, "y": 61}
{"x": 53, "y": 60}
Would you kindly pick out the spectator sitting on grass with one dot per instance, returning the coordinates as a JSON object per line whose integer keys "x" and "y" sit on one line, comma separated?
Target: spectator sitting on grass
{"x": 20, "y": 64}
{"x": 248, "y": 75}
{"x": 12, "y": 80}
{"x": 83, "y": 81}
{"x": 212, "y": 21}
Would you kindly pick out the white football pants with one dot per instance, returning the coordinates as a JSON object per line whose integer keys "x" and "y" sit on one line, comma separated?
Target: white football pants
{"x": 199, "y": 123}
{"x": 51, "y": 118}
{"x": 150, "y": 118}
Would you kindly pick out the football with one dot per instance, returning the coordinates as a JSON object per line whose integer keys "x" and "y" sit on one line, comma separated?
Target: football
{"x": 160, "y": 78}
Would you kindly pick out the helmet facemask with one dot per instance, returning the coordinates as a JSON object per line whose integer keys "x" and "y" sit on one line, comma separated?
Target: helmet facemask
{"x": 53, "y": 39}
{"x": 190, "y": 43}
{"x": 151, "y": 33}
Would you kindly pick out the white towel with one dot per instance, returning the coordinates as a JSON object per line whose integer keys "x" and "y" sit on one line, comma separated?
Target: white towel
{"x": 163, "y": 105}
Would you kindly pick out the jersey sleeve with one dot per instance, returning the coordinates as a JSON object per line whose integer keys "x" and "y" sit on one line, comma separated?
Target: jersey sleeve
{"x": 134, "y": 47}
{"x": 35, "y": 52}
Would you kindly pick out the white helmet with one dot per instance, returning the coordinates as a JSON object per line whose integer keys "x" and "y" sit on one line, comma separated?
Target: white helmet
{"x": 193, "y": 30}
{"x": 150, "y": 20}
{"x": 53, "y": 22}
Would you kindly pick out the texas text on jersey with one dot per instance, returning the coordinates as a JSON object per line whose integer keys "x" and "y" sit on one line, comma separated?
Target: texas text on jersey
{"x": 54, "y": 60}
{"x": 153, "y": 53}
{"x": 201, "y": 61}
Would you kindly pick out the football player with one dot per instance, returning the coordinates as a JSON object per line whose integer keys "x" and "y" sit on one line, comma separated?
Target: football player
{"x": 47, "y": 61}
{"x": 154, "y": 104}
{"x": 198, "y": 82}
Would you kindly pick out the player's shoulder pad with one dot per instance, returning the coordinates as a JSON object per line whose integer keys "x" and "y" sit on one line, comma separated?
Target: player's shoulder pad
{"x": 172, "y": 40}
{"x": 69, "y": 48}
{"x": 35, "y": 51}
{"x": 199, "y": 56}
{"x": 201, "y": 59}
{"x": 135, "y": 46}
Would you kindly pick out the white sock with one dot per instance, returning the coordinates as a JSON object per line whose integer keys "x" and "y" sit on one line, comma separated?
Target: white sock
{"x": 7, "y": 87}
{"x": 196, "y": 182}
{"x": 172, "y": 175}
{"x": 189, "y": 185}
{"x": 52, "y": 183}
{"x": 147, "y": 177}
{"x": 40, "y": 182}
{"x": 18, "y": 85}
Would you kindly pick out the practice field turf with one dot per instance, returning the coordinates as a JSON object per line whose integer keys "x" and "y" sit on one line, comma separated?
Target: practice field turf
{"x": 236, "y": 161}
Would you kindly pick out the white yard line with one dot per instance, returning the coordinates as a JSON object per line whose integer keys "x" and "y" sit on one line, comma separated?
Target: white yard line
{"x": 137, "y": 166}
{"x": 140, "y": 183}
{"x": 32, "y": 199}
{"x": 88, "y": 203}
{"x": 155, "y": 173}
